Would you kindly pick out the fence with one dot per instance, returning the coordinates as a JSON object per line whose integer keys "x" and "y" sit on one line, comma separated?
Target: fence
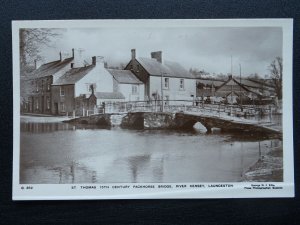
{"x": 174, "y": 106}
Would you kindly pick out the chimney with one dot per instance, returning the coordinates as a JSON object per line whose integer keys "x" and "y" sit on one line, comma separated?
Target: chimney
{"x": 37, "y": 63}
{"x": 60, "y": 56}
{"x": 133, "y": 54}
{"x": 77, "y": 55}
{"x": 98, "y": 60}
{"x": 230, "y": 77}
{"x": 92, "y": 88}
{"x": 105, "y": 65}
{"x": 94, "y": 60}
{"x": 157, "y": 55}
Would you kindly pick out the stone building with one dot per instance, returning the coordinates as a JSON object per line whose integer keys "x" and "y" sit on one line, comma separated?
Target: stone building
{"x": 162, "y": 77}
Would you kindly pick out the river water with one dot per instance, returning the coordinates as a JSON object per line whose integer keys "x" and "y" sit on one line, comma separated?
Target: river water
{"x": 64, "y": 153}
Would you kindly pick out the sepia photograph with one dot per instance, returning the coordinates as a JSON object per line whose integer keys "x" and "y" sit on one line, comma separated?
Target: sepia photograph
{"x": 153, "y": 105}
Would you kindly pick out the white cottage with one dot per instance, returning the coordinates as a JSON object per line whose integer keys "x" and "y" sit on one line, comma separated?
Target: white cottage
{"x": 165, "y": 78}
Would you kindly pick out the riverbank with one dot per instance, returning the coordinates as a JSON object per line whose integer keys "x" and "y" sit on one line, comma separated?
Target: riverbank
{"x": 37, "y": 118}
{"x": 268, "y": 168}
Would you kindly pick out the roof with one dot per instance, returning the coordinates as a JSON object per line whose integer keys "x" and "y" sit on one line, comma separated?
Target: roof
{"x": 168, "y": 69}
{"x": 124, "y": 76}
{"x": 232, "y": 81}
{"x": 51, "y": 68}
{"x": 109, "y": 95}
{"x": 210, "y": 82}
{"x": 74, "y": 75}
{"x": 250, "y": 83}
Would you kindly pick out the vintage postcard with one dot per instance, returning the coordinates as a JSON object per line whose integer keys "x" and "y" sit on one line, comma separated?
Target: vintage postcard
{"x": 126, "y": 109}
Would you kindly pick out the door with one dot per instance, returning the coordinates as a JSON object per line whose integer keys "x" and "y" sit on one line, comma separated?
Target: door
{"x": 56, "y": 108}
{"x": 43, "y": 105}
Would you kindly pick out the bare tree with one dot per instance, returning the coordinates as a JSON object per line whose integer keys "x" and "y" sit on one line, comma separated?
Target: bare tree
{"x": 276, "y": 75}
{"x": 31, "y": 42}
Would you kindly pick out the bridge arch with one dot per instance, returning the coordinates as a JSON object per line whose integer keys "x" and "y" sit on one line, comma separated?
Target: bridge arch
{"x": 189, "y": 123}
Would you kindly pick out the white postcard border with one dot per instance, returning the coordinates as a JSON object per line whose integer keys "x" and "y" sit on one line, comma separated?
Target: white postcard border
{"x": 209, "y": 190}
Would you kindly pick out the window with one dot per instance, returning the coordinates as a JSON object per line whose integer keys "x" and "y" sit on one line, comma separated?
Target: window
{"x": 42, "y": 88}
{"x": 62, "y": 106}
{"x": 48, "y": 85}
{"x": 37, "y": 86}
{"x": 166, "y": 83}
{"x": 166, "y": 100}
{"x": 48, "y": 102}
{"x": 134, "y": 89}
{"x": 37, "y": 103}
{"x": 62, "y": 91}
{"x": 181, "y": 85}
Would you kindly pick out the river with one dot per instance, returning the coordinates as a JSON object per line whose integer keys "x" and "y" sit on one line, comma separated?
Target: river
{"x": 63, "y": 153}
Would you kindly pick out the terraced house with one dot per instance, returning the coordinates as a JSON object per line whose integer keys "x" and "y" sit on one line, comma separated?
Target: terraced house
{"x": 39, "y": 96}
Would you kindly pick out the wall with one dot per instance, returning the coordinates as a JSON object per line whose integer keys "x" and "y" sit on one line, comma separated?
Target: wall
{"x": 100, "y": 76}
{"x": 67, "y": 99}
{"x": 174, "y": 92}
{"x": 135, "y": 67}
{"x": 40, "y": 89}
{"x": 126, "y": 90}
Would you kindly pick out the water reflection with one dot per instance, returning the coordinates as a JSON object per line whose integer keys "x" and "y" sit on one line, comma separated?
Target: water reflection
{"x": 64, "y": 153}
{"x": 50, "y": 127}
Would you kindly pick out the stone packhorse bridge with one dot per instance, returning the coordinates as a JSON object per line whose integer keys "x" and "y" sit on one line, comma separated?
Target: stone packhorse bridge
{"x": 182, "y": 121}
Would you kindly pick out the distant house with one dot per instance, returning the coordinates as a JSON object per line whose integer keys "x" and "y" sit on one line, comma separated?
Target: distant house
{"x": 207, "y": 87}
{"x": 128, "y": 84}
{"x": 157, "y": 75}
{"x": 233, "y": 91}
{"x": 76, "y": 84}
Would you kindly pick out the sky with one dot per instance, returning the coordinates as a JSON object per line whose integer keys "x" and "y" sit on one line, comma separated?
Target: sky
{"x": 208, "y": 48}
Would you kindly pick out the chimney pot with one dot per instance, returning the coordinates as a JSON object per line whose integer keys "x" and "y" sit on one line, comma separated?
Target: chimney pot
{"x": 133, "y": 54}
{"x": 73, "y": 52}
{"x": 94, "y": 60}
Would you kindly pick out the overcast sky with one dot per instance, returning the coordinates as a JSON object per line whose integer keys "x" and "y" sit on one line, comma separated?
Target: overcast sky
{"x": 208, "y": 49}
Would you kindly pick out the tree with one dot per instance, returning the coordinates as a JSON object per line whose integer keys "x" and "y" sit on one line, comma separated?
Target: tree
{"x": 31, "y": 42}
{"x": 276, "y": 76}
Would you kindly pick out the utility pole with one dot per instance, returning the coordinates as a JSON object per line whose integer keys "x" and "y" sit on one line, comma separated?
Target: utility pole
{"x": 231, "y": 90}
{"x": 162, "y": 93}
{"x": 241, "y": 84}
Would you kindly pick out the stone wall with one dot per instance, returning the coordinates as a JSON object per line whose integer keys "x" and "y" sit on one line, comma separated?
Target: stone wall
{"x": 148, "y": 120}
